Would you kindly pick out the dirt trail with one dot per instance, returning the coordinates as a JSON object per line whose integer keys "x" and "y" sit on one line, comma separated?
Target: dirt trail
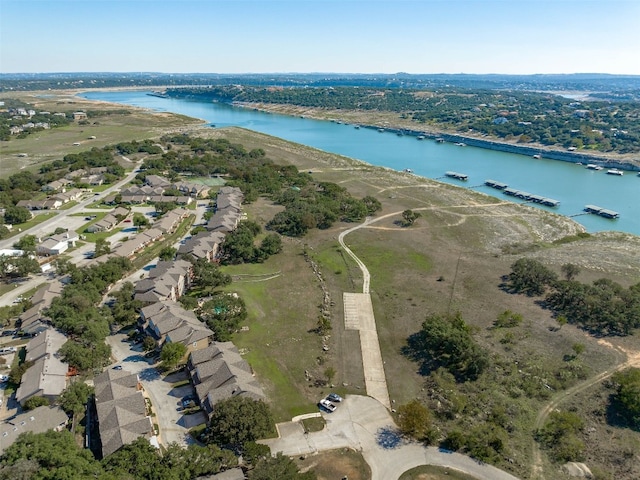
{"x": 632, "y": 360}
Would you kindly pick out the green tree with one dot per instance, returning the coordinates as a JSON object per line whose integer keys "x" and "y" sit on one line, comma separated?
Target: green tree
{"x": 102, "y": 247}
{"x": 148, "y": 343}
{"x": 35, "y": 402}
{"x": 560, "y": 436}
{"x": 271, "y": 244}
{"x": 531, "y": 277}
{"x": 570, "y": 271}
{"x": 140, "y": 220}
{"x": 16, "y": 215}
{"x": 75, "y": 397}
{"x": 171, "y": 354}
{"x": 508, "y": 319}
{"x": 223, "y": 313}
{"x": 627, "y": 396}
{"x": 167, "y": 253}
{"x": 26, "y": 243}
{"x": 447, "y": 341}
{"x": 51, "y": 455}
{"x": 238, "y": 420}
{"x": 196, "y": 461}
{"x": 208, "y": 276}
{"x": 414, "y": 420}
{"x": 278, "y": 468}
{"x": 409, "y": 217}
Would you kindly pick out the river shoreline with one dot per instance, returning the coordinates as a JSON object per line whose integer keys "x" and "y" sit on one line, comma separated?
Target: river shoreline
{"x": 543, "y": 151}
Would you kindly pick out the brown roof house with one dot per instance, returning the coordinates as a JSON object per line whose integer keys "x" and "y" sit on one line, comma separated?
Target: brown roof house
{"x": 167, "y": 281}
{"x": 167, "y": 321}
{"x": 122, "y": 410}
{"x": 47, "y": 377}
{"x": 34, "y": 321}
{"x": 219, "y": 372}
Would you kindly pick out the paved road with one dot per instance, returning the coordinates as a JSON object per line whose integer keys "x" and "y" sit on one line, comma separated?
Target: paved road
{"x": 364, "y": 424}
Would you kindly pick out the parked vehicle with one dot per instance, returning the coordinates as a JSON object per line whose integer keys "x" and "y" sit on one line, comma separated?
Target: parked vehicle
{"x": 327, "y": 405}
{"x": 334, "y": 397}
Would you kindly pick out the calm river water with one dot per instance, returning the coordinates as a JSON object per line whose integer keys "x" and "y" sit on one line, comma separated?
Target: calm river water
{"x": 574, "y": 186}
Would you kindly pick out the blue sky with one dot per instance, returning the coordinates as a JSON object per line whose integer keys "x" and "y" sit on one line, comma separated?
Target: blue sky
{"x": 350, "y": 36}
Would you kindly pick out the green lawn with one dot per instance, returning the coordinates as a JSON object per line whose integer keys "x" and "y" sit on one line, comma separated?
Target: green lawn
{"x": 39, "y": 218}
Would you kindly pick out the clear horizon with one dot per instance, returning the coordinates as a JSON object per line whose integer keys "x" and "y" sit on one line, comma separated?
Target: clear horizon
{"x": 518, "y": 37}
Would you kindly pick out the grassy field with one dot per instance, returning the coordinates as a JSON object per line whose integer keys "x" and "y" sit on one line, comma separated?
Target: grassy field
{"x": 109, "y": 129}
{"x": 452, "y": 259}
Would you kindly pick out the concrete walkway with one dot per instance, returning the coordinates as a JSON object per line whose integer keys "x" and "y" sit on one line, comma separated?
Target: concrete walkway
{"x": 358, "y": 315}
{"x": 365, "y": 425}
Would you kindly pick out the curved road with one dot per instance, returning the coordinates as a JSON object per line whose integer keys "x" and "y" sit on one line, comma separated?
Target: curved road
{"x": 365, "y": 425}
{"x": 367, "y": 421}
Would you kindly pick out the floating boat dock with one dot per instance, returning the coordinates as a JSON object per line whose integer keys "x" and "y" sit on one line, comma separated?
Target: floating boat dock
{"x": 457, "y": 176}
{"x": 603, "y": 212}
{"x": 530, "y": 197}
{"x": 496, "y": 185}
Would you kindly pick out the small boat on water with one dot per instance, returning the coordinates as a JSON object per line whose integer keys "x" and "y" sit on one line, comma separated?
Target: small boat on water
{"x": 439, "y": 140}
{"x": 460, "y": 144}
{"x": 421, "y": 137}
{"x": 593, "y": 166}
{"x": 357, "y": 127}
{"x": 457, "y": 176}
{"x": 381, "y": 130}
{"x": 408, "y": 170}
{"x": 615, "y": 171}
{"x": 537, "y": 156}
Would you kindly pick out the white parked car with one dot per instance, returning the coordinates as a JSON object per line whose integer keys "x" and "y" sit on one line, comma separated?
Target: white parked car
{"x": 326, "y": 404}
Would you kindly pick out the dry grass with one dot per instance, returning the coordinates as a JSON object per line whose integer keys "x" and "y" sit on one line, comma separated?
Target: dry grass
{"x": 452, "y": 259}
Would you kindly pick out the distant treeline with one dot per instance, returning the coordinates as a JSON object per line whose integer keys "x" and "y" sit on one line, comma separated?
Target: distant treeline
{"x": 589, "y": 82}
{"x": 518, "y": 116}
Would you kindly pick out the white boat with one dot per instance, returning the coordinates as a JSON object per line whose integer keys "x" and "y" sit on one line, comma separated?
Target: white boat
{"x": 593, "y": 166}
{"x": 408, "y": 170}
{"x": 537, "y": 156}
{"x": 615, "y": 171}
{"x": 460, "y": 144}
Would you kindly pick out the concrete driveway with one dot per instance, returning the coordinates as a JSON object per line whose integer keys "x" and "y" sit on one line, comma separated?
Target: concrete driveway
{"x": 164, "y": 397}
{"x": 364, "y": 424}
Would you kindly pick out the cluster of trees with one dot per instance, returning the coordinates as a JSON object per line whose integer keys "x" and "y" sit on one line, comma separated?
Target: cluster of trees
{"x": 447, "y": 341}
{"x": 603, "y": 308}
{"x": 548, "y": 119}
{"x": 319, "y": 205}
{"x": 239, "y": 245}
{"x": 627, "y": 396}
{"x": 57, "y": 455}
{"x": 144, "y": 146}
{"x": 76, "y": 312}
{"x": 560, "y": 436}
{"x": 18, "y": 266}
{"x": 308, "y": 204}
{"x": 223, "y": 312}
